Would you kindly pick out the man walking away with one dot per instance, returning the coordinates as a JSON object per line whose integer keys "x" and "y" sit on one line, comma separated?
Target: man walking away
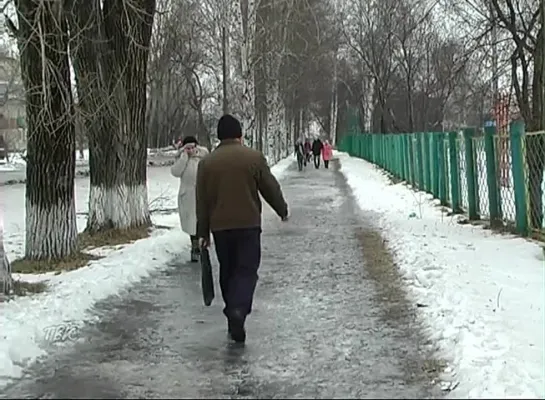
{"x": 229, "y": 181}
{"x": 327, "y": 153}
{"x": 317, "y": 151}
{"x": 300, "y": 154}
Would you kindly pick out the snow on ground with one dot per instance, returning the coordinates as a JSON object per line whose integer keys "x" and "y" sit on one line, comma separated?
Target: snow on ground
{"x": 71, "y": 295}
{"x": 484, "y": 293}
{"x": 16, "y": 162}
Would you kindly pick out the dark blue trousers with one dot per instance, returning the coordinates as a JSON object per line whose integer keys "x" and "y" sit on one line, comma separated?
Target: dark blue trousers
{"x": 239, "y": 256}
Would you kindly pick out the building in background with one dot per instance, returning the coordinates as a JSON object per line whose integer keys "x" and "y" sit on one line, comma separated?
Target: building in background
{"x": 12, "y": 103}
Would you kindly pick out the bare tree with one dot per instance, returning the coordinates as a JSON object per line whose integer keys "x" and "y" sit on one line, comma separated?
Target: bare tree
{"x": 523, "y": 19}
{"x": 42, "y": 35}
{"x": 110, "y": 60}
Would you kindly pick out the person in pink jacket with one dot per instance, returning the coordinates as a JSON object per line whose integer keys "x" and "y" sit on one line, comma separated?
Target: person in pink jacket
{"x": 327, "y": 153}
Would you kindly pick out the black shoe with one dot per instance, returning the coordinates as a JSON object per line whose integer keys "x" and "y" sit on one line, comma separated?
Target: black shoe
{"x": 235, "y": 327}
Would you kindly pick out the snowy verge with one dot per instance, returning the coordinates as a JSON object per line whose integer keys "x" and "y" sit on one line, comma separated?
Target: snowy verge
{"x": 281, "y": 167}
{"x": 27, "y": 322}
{"x": 483, "y": 293}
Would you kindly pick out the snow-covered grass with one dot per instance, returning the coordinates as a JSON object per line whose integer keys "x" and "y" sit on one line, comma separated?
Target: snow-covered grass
{"x": 16, "y": 162}
{"x": 484, "y": 293}
{"x": 71, "y": 295}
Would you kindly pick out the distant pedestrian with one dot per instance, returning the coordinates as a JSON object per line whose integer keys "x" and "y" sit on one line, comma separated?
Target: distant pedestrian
{"x": 300, "y": 154}
{"x": 308, "y": 150}
{"x": 327, "y": 153}
{"x": 185, "y": 168}
{"x": 317, "y": 151}
{"x": 3, "y": 149}
{"x": 229, "y": 182}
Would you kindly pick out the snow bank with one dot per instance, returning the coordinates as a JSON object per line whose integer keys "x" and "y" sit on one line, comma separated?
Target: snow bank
{"x": 281, "y": 167}
{"x": 72, "y": 294}
{"x": 484, "y": 293}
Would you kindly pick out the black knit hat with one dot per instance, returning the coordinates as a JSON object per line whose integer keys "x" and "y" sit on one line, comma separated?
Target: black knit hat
{"x": 189, "y": 139}
{"x": 229, "y": 128}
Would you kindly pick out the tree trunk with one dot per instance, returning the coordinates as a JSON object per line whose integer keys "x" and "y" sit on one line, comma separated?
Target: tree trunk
{"x": 6, "y": 281}
{"x": 51, "y": 231}
{"x": 116, "y": 83}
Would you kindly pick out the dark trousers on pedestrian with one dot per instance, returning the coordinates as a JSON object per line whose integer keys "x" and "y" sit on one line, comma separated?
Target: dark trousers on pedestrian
{"x": 317, "y": 161}
{"x": 300, "y": 161}
{"x": 239, "y": 256}
{"x": 326, "y": 163}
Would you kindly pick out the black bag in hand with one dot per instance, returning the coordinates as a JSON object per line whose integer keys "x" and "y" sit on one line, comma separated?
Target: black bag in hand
{"x": 207, "y": 279}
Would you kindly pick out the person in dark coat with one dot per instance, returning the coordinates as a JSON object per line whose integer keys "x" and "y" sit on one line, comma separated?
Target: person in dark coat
{"x": 229, "y": 182}
{"x": 300, "y": 154}
{"x": 3, "y": 149}
{"x": 317, "y": 147}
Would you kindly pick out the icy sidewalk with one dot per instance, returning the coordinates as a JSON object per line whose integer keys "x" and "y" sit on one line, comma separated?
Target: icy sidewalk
{"x": 482, "y": 293}
{"x": 71, "y": 295}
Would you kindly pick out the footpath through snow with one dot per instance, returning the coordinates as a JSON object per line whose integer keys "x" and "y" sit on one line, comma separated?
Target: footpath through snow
{"x": 71, "y": 295}
{"x": 482, "y": 293}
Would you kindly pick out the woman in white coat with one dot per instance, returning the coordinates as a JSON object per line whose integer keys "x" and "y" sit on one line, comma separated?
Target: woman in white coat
{"x": 185, "y": 168}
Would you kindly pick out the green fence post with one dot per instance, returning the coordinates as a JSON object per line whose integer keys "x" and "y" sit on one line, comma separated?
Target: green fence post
{"x": 434, "y": 164}
{"x": 396, "y": 156}
{"x": 387, "y": 152}
{"x": 469, "y": 134}
{"x": 410, "y": 147}
{"x": 517, "y": 167}
{"x": 420, "y": 160}
{"x": 405, "y": 155}
{"x": 379, "y": 150}
{"x": 491, "y": 176}
{"x": 391, "y": 154}
{"x": 402, "y": 156}
{"x": 360, "y": 146}
{"x": 454, "y": 167}
{"x": 382, "y": 151}
{"x": 427, "y": 162}
{"x": 442, "y": 169}
{"x": 399, "y": 169}
{"x": 373, "y": 152}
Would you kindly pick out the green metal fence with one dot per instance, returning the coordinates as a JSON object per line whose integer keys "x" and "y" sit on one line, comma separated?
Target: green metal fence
{"x": 485, "y": 175}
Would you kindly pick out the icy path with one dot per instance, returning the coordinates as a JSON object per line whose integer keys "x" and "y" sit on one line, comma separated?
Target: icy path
{"x": 319, "y": 328}
{"x": 483, "y": 294}
{"x": 26, "y": 321}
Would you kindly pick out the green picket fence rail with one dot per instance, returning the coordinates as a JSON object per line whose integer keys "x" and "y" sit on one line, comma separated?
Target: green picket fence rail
{"x": 491, "y": 177}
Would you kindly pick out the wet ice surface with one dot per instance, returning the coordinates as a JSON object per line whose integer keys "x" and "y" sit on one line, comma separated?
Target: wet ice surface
{"x": 315, "y": 332}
